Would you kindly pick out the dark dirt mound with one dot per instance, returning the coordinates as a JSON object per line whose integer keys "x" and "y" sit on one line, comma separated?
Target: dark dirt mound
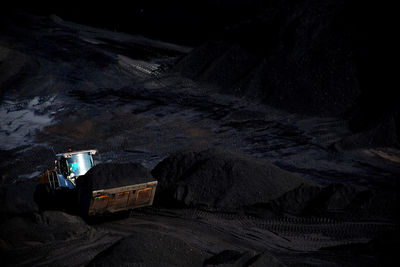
{"x": 109, "y": 175}
{"x": 148, "y": 248}
{"x": 219, "y": 63}
{"x": 296, "y": 201}
{"x": 220, "y": 179}
{"x": 265, "y": 259}
{"x": 334, "y": 199}
{"x": 294, "y": 56}
{"x": 18, "y": 198}
{"x": 339, "y": 201}
{"x": 50, "y": 239}
{"x": 24, "y": 232}
{"x": 384, "y": 131}
{"x": 48, "y": 226}
{"x": 324, "y": 58}
{"x": 309, "y": 85}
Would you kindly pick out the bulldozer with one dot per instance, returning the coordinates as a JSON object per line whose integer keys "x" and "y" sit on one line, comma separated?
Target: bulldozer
{"x": 68, "y": 181}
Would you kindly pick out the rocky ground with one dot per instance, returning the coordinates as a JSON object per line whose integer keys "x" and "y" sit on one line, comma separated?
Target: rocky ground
{"x": 240, "y": 183}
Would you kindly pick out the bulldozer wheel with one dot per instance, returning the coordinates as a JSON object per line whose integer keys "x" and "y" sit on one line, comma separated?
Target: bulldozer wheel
{"x": 43, "y": 197}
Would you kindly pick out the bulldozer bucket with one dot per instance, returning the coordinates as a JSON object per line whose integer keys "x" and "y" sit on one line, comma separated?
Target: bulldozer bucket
{"x": 122, "y": 198}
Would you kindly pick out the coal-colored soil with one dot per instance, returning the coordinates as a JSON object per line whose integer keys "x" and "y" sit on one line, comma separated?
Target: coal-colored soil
{"x": 221, "y": 180}
{"x": 51, "y": 238}
{"x": 283, "y": 59}
{"x": 150, "y": 249}
{"x": 240, "y": 182}
{"x": 345, "y": 201}
{"x": 18, "y": 198}
{"x": 324, "y": 58}
{"x": 110, "y": 175}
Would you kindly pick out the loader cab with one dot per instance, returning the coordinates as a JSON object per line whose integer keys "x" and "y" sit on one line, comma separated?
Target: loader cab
{"x": 74, "y": 164}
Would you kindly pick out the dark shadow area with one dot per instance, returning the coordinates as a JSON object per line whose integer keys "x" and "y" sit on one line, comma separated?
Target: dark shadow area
{"x": 61, "y": 200}
{"x": 176, "y": 21}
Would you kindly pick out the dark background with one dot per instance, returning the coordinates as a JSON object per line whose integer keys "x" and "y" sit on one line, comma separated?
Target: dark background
{"x": 185, "y": 22}
{"x": 364, "y": 28}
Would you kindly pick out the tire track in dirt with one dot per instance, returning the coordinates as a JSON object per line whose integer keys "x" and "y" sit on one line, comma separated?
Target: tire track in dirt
{"x": 294, "y": 233}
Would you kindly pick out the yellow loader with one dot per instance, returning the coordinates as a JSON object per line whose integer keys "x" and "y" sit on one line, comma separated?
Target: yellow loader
{"x": 86, "y": 193}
